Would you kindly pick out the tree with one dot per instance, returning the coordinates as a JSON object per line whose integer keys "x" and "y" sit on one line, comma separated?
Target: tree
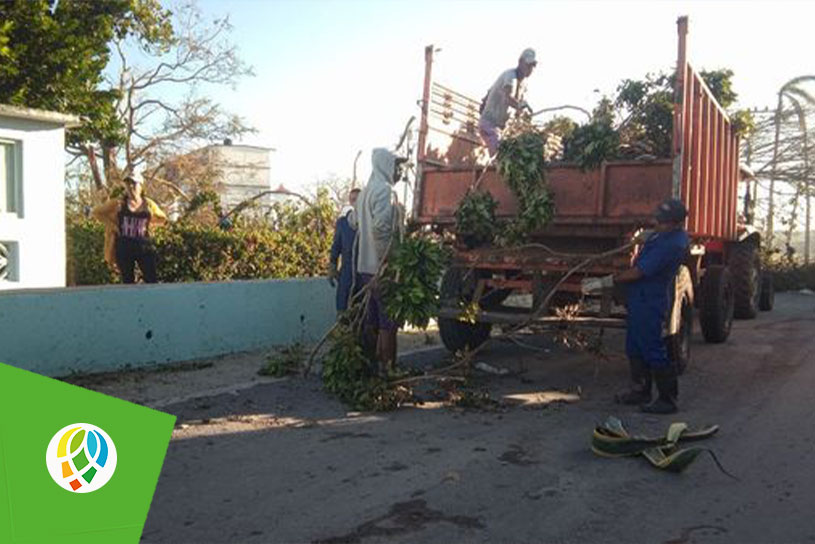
{"x": 59, "y": 51}
{"x": 56, "y": 51}
{"x": 796, "y": 95}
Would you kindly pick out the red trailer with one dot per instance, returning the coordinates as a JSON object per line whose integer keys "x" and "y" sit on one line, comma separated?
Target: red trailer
{"x": 597, "y": 211}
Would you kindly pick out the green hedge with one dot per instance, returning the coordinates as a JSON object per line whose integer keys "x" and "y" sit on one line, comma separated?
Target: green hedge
{"x": 188, "y": 252}
{"x": 792, "y": 277}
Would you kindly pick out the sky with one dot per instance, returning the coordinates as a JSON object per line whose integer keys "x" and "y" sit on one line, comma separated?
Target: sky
{"x": 333, "y": 77}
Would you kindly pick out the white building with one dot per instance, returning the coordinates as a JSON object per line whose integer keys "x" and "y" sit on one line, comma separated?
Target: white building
{"x": 244, "y": 172}
{"x": 32, "y": 197}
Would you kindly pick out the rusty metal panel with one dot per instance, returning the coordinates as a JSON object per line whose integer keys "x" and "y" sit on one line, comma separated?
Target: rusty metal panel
{"x": 576, "y": 192}
{"x": 709, "y": 163}
{"x": 441, "y": 192}
{"x": 636, "y": 189}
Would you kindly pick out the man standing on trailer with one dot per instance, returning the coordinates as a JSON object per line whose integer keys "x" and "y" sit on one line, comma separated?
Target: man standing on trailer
{"x": 649, "y": 283}
{"x": 379, "y": 219}
{"x": 507, "y": 91}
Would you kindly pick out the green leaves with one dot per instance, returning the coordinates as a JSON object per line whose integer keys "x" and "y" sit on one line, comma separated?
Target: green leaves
{"x": 410, "y": 283}
{"x": 348, "y": 374}
{"x": 591, "y": 144}
{"x": 296, "y": 244}
{"x": 521, "y": 164}
{"x": 475, "y": 219}
{"x": 54, "y": 54}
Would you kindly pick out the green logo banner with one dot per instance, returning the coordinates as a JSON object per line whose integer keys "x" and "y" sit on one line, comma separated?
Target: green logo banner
{"x": 75, "y": 465}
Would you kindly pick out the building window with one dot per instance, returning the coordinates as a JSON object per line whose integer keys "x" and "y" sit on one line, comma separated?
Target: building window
{"x": 10, "y": 177}
{"x": 8, "y": 261}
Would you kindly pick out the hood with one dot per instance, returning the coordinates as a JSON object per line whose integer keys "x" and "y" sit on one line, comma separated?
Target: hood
{"x": 383, "y": 162}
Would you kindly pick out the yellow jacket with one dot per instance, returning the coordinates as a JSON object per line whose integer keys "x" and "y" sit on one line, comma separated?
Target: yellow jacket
{"x": 108, "y": 215}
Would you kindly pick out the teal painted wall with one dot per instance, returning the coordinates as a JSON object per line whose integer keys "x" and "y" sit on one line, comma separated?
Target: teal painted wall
{"x": 91, "y": 329}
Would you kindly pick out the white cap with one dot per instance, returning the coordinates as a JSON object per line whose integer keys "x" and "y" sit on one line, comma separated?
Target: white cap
{"x": 134, "y": 176}
{"x": 528, "y": 56}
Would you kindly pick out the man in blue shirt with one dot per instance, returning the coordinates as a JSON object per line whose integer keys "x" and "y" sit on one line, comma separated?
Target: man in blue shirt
{"x": 648, "y": 294}
{"x": 342, "y": 250}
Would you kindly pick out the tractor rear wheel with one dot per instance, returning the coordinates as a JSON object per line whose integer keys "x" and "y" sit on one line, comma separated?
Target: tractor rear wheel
{"x": 767, "y": 300}
{"x": 458, "y": 287}
{"x": 745, "y": 267}
{"x": 680, "y": 323}
{"x": 716, "y": 304}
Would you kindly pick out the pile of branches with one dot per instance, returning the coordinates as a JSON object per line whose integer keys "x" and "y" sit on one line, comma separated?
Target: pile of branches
{"x": 637, "y": 122}
{"x": 409, "y": 282}
{"x": 520, "y": 161}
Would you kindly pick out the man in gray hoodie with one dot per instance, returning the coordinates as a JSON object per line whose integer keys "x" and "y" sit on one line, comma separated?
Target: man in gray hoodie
{"x": 379, "y": 219}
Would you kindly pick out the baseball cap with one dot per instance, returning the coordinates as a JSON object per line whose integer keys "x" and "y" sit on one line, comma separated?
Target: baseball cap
{"x": 528, "y": 56}
{"x": 134, "y": 178}
{"x": 671, "y": 211}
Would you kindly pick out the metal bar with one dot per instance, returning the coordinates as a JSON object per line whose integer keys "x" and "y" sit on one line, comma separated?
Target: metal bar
{"x": 728, "y": 181}
{"x": 422, "y": 143}
{"x": 450, "y": 118}
{"x": 679, "y": 95}
{"x": 704, "y": 175}
{"x": 714, "y": 178}
{"x": 459, "y": 136}
{"x": 709, "y": 94}
{"x": 505, "y": 284}
{"x": 687, "y": 146}
{"x": 462, "y": 116}
{"x": 456, "y": 93}
{"x": 736, "y": 173}
{"x": 522, "y": 317}
{"x": 722, "y": 185}
{"x": 450, "y": 99}
{"x": 696, "y": 165}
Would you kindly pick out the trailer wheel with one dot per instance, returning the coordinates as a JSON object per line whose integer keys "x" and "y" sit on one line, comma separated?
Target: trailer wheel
{"x": 457, "y": 286}
{"x": 716, "y": 304}
{"x": 767, "y": 301}
{"x": 745, "y": 267}
{"x": 680, "y": 324}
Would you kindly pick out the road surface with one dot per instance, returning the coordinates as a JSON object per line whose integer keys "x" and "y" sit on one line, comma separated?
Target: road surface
{"x": 280, "y": 462}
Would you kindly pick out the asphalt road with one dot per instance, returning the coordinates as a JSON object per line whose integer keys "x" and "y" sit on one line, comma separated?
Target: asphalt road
{"x": 281, "y": 462}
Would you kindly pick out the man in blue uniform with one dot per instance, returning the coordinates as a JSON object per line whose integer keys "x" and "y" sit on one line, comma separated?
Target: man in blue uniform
{"x": 648, "y": 293}
{"x": 342, "y": 250}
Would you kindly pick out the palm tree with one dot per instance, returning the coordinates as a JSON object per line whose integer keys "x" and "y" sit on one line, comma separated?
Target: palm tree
{"x": 795, "y": 95}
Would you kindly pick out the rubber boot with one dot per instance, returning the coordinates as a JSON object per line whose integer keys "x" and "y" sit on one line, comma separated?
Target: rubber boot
{"x": 668, "y": 389}
{"x": 370, "y": 340}
{"x": 386, "y": 351}
{"x": 640, "y": 392}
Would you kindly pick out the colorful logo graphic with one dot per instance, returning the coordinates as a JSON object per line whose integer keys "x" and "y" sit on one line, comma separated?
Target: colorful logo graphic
{"x": 81, "y": 458}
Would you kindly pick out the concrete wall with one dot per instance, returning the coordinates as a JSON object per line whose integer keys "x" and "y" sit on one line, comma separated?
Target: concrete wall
{"x": 91, "y": 329}
{"x": 37, "y": 232}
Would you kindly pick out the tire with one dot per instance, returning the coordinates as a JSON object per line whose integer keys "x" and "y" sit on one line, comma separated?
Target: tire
{"x": 716, "y": 305}
{"x": 745, "y": 268}
{"x": 457, "y": 286}
{"x": 767, "y": 299}
{"x": 678, "y": 343}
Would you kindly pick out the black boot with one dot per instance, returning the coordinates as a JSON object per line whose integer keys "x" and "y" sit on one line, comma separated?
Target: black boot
{"x": 668, "y": 389}
{"x": 640, "y": 392}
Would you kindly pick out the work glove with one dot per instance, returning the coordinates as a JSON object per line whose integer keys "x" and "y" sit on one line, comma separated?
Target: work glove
{"x": 333, "y": 274}
{"x": 592, "y": 285}
{"x": 642, "y": 236}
